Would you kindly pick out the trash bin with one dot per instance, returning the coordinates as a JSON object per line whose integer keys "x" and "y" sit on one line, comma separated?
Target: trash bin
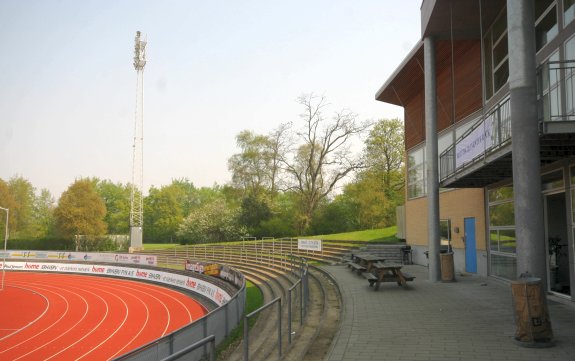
{"x": 447, "y": 268}
{"x": 533, "y": 326}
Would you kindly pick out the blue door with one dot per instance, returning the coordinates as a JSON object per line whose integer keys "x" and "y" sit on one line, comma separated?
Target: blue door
{"x": 470, "y": 249}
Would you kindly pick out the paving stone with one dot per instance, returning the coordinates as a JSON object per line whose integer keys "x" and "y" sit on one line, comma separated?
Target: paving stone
{"x": 470, "y": 319}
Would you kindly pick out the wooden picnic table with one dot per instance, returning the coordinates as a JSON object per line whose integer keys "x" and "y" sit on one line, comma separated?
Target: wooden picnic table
{"x": 387, "y": 272}
{"x": 367, "y": 260}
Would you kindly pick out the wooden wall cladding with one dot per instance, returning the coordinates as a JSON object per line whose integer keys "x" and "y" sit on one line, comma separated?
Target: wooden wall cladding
{"x": 458, "y": 89}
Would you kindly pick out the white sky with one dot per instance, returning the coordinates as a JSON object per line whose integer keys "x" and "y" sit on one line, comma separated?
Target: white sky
{"x": 214, "y": 68}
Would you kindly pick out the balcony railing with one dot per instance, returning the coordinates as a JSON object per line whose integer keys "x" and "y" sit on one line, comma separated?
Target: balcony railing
{"x": 488, "y": 134}
{"x": 555, "y": 103}
{"x": 556, "y": 91}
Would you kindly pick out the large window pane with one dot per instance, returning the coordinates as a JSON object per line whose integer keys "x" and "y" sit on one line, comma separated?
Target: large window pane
{"x": 500, "y": 26}
{"x": 500, "y": 194}
{"x": 494, "y": 240}
{"x": 501, "y": 215}
{"x": 500, "y": 52}
{"x": 501, "y": 75}
{"x": 504, "y": 266}
{"x": 553, "y": 180}
{"x": 416, "y": 173}
{"x": 488, "y": 66}
{"x": 507, "y": 240}
{"x": 568, "y": 11}
{"x": 546, "y": 29}
{"x": 445, "y": 231}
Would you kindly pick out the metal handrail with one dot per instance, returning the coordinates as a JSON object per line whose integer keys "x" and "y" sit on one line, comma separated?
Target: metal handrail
{"x": 277, "y": 300}
{"x": 500, "y": 116}
{"x": 211, "y": 339}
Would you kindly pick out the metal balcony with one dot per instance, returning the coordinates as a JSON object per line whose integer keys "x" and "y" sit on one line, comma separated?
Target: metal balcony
{"x": 482, "y": 155}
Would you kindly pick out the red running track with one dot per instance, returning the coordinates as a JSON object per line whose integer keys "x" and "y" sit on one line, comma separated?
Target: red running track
{"x": 47, "y": 316}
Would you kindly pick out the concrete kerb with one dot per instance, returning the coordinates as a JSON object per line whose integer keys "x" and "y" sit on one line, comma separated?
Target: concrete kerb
{"x": 471, "y": 319}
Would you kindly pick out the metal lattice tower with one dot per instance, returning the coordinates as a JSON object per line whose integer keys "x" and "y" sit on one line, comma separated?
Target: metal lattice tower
{"x": 137, "y": 204}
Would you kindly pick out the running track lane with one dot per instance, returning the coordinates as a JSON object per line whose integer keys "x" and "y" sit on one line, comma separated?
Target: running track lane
{"x": 76, "y": 317}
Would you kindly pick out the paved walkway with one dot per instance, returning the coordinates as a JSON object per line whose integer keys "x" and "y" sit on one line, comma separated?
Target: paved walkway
{"x": 471, "y": 319}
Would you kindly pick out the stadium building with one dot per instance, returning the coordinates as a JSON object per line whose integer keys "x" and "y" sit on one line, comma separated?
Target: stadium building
{"x": 489, "y": 107}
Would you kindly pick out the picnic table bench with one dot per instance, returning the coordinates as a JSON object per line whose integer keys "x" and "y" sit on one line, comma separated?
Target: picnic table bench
{"x": 389, "y": 272}
{"x": 357, "y": 267}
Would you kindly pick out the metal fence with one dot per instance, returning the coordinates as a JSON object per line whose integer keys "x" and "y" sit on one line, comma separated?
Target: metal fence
{"x": 218, "y": 323}
{"x": 300, "y": 267}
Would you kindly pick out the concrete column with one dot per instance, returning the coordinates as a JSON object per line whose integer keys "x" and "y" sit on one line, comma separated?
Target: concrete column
{"x": 431, "y": 159}
{"x": 529, "y": 224}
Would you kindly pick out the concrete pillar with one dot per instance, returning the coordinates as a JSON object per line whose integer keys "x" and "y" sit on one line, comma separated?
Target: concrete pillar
{"x": 529, "y": 224}
{"x": 431, "y": 159}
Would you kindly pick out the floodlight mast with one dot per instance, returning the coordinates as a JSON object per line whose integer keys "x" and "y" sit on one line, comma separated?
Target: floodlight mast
{"x": 137, "y": 209}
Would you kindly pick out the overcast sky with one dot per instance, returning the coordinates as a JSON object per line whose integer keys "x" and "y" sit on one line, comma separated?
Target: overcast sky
{"x": 214, "y": 68}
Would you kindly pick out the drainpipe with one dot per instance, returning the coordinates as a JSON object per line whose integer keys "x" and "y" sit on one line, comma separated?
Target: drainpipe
{"x": 529, "y": 226}
{"x": 431, "y": 158}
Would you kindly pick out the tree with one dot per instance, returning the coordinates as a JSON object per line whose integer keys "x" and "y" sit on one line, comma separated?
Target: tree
{"x": 24, "y": 194}
{"x": 378, "y": 189}
{"x": 43, "y": 215}
{"x": 253, "y": 212}
{"x": 80, "y": 211}
{"x": 212, "y": 222}
{"x": 162, "y": 214}
{"x": 256, "y": 169}
{"x": 325, "y": 157}
{"x": 250, "y": 168}
{"x": 385, "y": 153}
{"x": 337, "y": 216}
{"x": 116, "y": 197}
{"x": 7, "y": 201}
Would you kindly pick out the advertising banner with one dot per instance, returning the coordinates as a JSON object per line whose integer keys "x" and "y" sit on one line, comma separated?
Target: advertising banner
{"x": 309, "y": 244}
{"x": 213, "y": 292}
{"x": 216, "y": 270}
{"x": 83, "y": 257}
{"x": 475, "y": 143}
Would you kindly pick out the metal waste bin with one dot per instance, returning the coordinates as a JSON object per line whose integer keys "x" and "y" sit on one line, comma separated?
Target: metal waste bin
{"x": 447, "y": 268}
{"x": 533, "y": 326}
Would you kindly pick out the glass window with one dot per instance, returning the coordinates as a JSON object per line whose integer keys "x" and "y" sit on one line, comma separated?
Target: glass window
{"x": 502, "y": 240}
{"x": 568, "y": 11}
{"x": 504, "y": 266}
{"x": 570, "y": 77}
{"x": 501, "y": 194}
{"x": 487, "y": 66}
{"x": 500, "y": 52}
{"x": 500, "y": 25}
{"x": 494, "y": 240}
{"x": 507, "y": 240}
{"x": 416, "y": 186}
{"x": 501, "y": 76}
{"x": 541, "y": 7}
{"x": 496, "y": 63}
{"x": 502, "y": 214}
{"x": 553, "y": 180}
{"x": 445, "y": 231}
{"x": 545, "y": 28}
{"x": 549, "y": 87}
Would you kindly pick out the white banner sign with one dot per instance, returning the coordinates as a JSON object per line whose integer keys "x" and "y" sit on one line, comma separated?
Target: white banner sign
{"x": 83, "y": 256}
{"x": 309, "y": 244}
{"x": 211, "y": 291}
{"x": 475, "y": 143}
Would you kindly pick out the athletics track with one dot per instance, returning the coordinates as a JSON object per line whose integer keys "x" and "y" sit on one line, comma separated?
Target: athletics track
{"x": 46, "y": 316}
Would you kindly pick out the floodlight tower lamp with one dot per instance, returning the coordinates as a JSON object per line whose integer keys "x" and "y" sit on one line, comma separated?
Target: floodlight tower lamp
{"x": 136, "y": 210}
